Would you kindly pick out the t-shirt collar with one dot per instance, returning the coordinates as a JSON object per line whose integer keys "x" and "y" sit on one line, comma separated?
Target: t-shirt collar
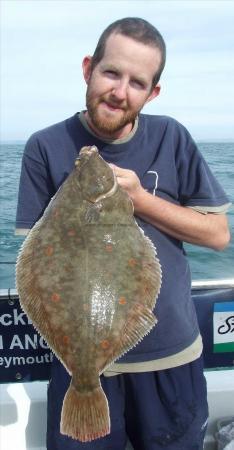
{"x": 122, "y": 140}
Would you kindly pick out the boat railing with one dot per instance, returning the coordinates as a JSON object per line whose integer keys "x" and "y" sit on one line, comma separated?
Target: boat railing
{"x": 223, "y": 283}
{"x": 25, "y": 355}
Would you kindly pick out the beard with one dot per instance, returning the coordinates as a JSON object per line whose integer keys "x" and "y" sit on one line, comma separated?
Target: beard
{"x": 115, "y": 122}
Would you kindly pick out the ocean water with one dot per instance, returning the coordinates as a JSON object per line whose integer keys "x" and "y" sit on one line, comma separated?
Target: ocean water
{"x": 204, "y": 263}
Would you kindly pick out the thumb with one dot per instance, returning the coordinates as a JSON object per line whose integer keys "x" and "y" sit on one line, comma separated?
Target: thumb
{"x": 113, "y": 166}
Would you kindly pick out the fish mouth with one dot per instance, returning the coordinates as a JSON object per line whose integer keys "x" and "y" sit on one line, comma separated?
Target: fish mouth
{"x": 83, "y": 158}
{"x": 88, "y": 151}
{"x": 85, "y": 154}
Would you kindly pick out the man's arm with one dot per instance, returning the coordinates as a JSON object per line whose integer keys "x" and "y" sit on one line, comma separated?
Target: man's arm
{"x": 185, "y": 224}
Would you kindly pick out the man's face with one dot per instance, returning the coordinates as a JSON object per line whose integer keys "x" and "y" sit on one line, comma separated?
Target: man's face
{"x": 120, "y": 85}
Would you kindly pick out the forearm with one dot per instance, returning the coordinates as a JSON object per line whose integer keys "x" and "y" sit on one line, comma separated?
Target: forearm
{"x": 185, "y": 224}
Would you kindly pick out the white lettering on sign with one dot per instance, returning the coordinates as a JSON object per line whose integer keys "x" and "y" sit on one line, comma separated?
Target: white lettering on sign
{"x": 5, "y": 319}
{"x": 16, "y": 342}
{"x": 16, "y": 318}
{"x": 6, "y": 362}
{"x": 26, "y": 342}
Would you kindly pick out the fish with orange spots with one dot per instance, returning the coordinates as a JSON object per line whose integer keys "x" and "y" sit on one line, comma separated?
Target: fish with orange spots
{"x": 88, "y": 278}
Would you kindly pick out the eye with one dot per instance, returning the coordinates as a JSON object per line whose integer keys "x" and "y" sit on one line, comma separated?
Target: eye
{"x": 77, "y": 161}
{"x": 138, "y": 84}
{"x": 111, "y": 74}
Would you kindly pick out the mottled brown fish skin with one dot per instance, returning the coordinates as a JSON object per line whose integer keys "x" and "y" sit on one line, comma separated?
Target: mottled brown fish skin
{"x": 88, "y": 278}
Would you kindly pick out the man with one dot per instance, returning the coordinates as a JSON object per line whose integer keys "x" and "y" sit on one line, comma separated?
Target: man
{"x": 157, "y": 391}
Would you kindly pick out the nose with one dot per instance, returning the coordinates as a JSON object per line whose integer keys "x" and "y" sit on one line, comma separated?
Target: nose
{"x": 119, "y": 90}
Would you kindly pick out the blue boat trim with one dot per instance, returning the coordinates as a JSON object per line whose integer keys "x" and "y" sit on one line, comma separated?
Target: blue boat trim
{"x": 224, "y": 306}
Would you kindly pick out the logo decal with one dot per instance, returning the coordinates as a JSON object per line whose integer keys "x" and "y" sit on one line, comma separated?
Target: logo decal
{"x": 223, "y": 327}
{"x": 155, "y": 175}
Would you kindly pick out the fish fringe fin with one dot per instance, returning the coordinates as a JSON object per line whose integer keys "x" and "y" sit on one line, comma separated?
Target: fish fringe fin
{"x": 140, "y": 323}
{"x": 152, "y": 272}
{"x": 30, "y": 302}
{"x": 35, "y": 311}
{"x": 85, "y": 415}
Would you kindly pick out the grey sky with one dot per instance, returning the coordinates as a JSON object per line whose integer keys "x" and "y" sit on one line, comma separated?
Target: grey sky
{"x": 43, "y": 43}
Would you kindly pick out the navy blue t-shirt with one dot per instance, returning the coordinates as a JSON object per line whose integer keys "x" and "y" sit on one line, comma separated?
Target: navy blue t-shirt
{"x": 169, "y": 165}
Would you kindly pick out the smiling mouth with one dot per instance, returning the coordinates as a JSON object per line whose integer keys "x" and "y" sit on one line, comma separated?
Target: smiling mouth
{"x": 112, "y": 107}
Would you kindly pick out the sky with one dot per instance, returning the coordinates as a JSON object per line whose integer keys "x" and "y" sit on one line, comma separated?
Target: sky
{"x": 43, "y": 43}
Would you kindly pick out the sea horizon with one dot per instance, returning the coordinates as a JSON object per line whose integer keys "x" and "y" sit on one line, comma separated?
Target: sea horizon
{"x": 198, "y": 140}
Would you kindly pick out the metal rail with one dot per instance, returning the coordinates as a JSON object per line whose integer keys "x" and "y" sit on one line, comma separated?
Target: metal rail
{"x": 223, "y": 283}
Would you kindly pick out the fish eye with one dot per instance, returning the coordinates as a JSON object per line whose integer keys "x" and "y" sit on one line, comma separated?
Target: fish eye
{"x": 77, "y": 161}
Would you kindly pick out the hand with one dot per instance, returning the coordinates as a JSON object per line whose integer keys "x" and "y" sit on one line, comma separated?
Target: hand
{"x": 128, "y": 180}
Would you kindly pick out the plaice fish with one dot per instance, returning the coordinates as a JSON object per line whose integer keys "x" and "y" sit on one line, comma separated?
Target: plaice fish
{"x": 88, "y": 278}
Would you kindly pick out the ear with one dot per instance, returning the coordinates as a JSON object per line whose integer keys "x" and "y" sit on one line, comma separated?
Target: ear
{"x": 154, "y": 93}
{"x": 86, "y": 66}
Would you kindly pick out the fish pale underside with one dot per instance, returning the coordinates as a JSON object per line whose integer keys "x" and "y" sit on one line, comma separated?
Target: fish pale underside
{"x": 88, "y": 278}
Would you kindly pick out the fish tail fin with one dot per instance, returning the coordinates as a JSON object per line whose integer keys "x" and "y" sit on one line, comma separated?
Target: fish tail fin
{"x": 85, "y": 415}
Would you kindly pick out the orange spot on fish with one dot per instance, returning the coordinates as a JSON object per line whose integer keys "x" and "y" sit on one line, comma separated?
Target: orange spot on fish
{"x": 122, "y": 301}
{"x": 71, "y": 233}
{"x": 109, "y": 248}
{"x": 132, "y": 262}
{"x": 105, "y": 344}
{"x": 49, "y": 250}
{"x": 66, "y": 339}
{"x": 55, "y": 297}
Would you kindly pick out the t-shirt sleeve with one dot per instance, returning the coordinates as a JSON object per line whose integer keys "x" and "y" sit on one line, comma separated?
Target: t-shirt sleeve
{"x": 35, "y": 187}
{"x": 198, "y": 186}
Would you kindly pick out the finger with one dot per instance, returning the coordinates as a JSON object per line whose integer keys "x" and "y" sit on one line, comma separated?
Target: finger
{"x": 119, "y": 172}
{"x": 113, "y": 166}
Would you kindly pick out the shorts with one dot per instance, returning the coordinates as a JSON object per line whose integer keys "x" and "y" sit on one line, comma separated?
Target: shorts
{"x": 165, "y": 409}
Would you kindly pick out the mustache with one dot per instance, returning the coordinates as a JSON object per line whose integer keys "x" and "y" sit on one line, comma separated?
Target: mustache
{"x": 114, "y": 102}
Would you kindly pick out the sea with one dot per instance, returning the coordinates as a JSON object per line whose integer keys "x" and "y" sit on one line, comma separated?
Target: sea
{"x": 204, "y": 263}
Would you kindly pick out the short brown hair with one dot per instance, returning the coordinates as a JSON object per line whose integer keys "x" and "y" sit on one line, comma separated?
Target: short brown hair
{"x": 138, "y": 29}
